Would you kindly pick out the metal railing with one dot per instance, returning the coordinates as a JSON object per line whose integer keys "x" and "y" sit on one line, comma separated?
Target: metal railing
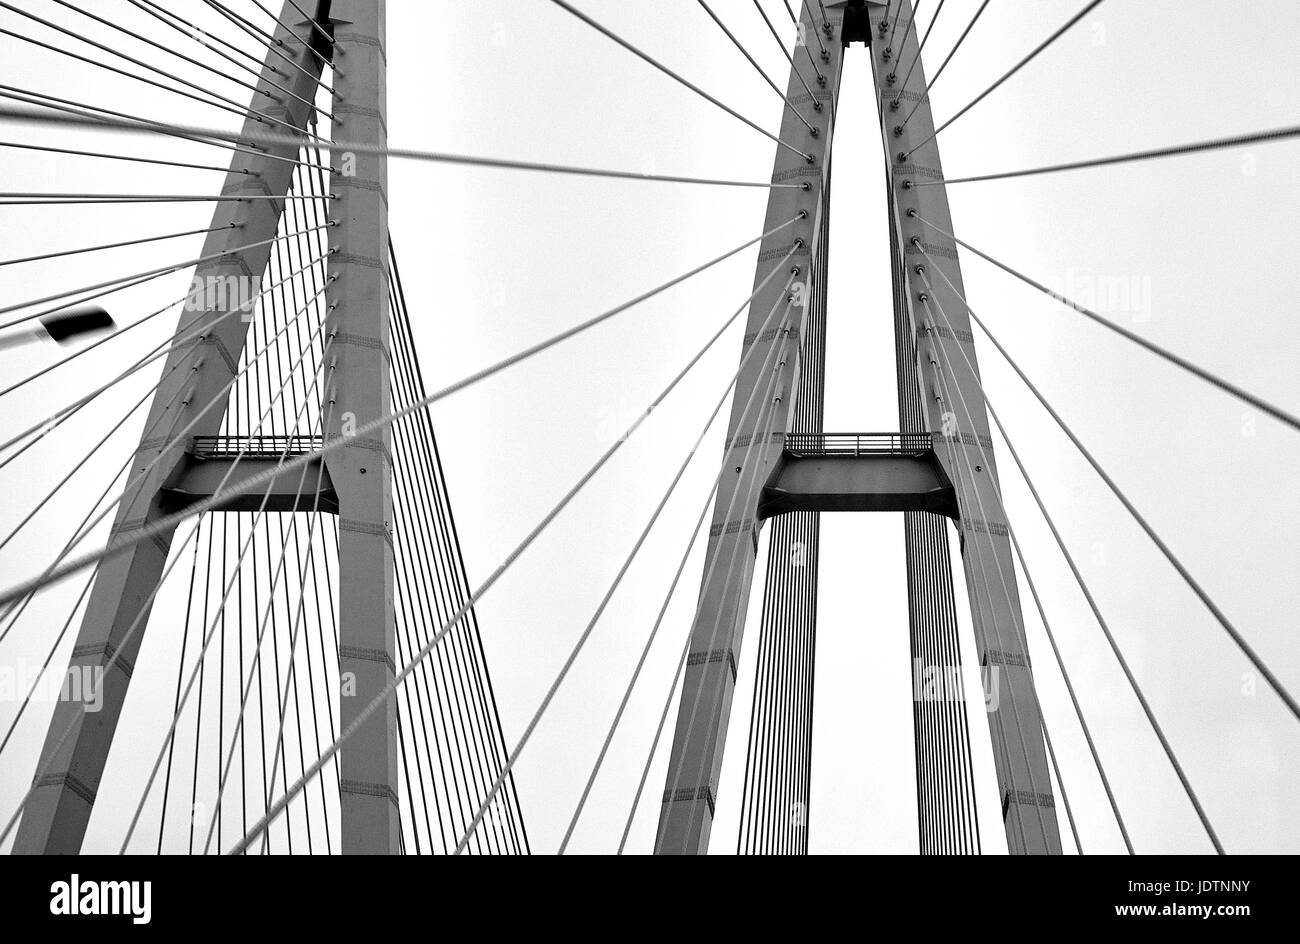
{"x": 255, "y": 447}
{"x": 858, "y": 444}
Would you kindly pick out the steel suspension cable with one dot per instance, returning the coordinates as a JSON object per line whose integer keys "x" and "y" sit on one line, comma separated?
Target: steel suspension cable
{"x": 893, "y": 30}
{"x": 645, "y": 533}
{"x": 114, "y": 157}
{"x": 1024, "y": 566}
{"x": 1250, "y": 399}
{"x": 257, "y": 648}
{"x": 254, "y": 481}
{"x": 759, "y": 69}
{"x": 159, "y": 350}
{"x": 212, "y": 627}
{"x": 752, "y": 476}
{"x": 72, "y": 113}
{"x": 636, "y": 673}
{"x": 925, "y": 92}
{"x": 1204, "y": 597}
{"x": 794, "y": 69}
{"x": 669, "y": 72}
{"x": 432, "y": 548}
{"x": 225, "y": 104}
{"x": 484, "y": 587}
{"x": 921, "y": 47}
{"x": 85, "y": 590}
{"x": 825, "y": 22}
{"x": 207, "y": 504}
{"x": 1193, "y": 147}
{"x": 273, "y": 45}
{"x": 180, "y": 674}
{"x": 164, "y": 48}
{"x": 194, "y": 33}
{"x": 200, "y": 36}
{"x": 311, "y": 21}
{"x": 1091, "y": 5}
{"x": 134, "y": 627}
{"x": 131, "y": 280}
{"x": 965, "y": 503}
{"x": 456, "y": 573}
{"x": 83, "y": 528}
{"x": 103, "y": 246}
{"x": 1105, "y": 628}
{"x": 760, "y": 418}
{"x": 192, "y": 132}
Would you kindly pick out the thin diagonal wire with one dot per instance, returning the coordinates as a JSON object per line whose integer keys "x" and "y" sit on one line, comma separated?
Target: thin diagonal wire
{"x": 686, "y": 648}
{"x": 924, "y": 96}
{"x": 1060, "y": 782}
{"x": 164, "y": 48}
{"x": 171, "y": 732}
{"x": 457, "y": 578}
{"x": 636, "y": 547}
{"x": 311, "y": 21}
{"x": 138, "y": 277}
{"x": 1155, "y": 726}
{"x": 129, "y": 242}
{"x": 966, "y": 487}
{"x": 669, "y": 72}
{"x": 365, "y": 147}
{"x": 893, "y": 30}
{"x": 16, "y": 198}
{"x": 816, "y": 34}
{"x": 1263, "y": 405}
{"x": 636, "y": 672}
{"x": 211, "y": 502}
{"x": 1193, "y": 147}
{"x": 159, "y": 350}
{"x": 1191, "y": 581}
{"x": 193, "y": 33}
{"x": 757, "y": 68}
{"x": 731, "y": 507}
{"x": 271, "y": 46}
{"x": 133, "y": 628}
{"x": 717, "y": 622}
{"x": 93, "y": 116}
{"x": 920, "y": 48}
{"x": 785, "y": 52}
{"x": 257, "y": 646}
{"x": 114, "y": 157}
{"x": 541, "y": 526}
{"x": 1014, "y": 69}
{"x": 180, "y": 674}
{"x": 1024, "y": 566}
{"x": 235, "y": 109}
{"x": 254, "y": 481}
{"x": 85, "y": 590}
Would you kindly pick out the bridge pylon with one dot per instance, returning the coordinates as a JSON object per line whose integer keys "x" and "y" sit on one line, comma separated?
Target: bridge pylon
{"x": 782, "y": 466}
{"x": 355, "y": 481}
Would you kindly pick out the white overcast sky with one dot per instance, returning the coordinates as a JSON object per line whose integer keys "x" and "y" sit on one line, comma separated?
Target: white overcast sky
{"x": 495, "y": 260}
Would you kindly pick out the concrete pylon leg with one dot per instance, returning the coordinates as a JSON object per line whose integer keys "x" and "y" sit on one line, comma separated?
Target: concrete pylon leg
{"x": 694, "y": 767}
{"x": 76, "y": 746}
{"x": 359, "y": 383}
{"x": 953, "y": 405}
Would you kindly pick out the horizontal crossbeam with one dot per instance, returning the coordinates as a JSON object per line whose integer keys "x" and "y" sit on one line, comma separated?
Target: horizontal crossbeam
{"x": 212, "y": 463}
{"x": 858, "y": 472}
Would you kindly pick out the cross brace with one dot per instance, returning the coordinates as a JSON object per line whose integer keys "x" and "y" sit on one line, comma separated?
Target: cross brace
{"x": 880, "y": 482}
